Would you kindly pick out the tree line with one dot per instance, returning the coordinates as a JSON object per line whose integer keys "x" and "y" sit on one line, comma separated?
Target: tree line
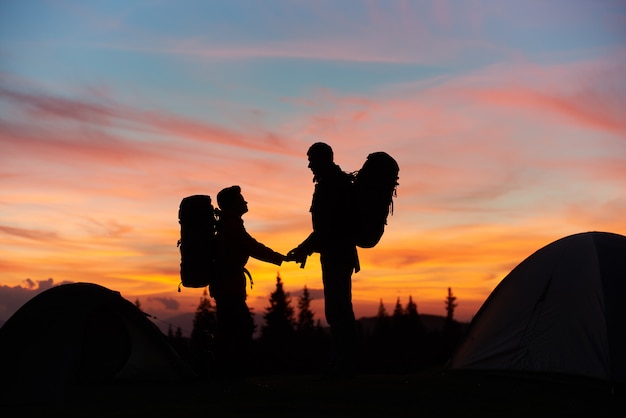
{"x": 292, "y": 340}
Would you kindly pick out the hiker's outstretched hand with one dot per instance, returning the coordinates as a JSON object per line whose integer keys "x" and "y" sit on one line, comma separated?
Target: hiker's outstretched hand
{"x": 297, "y": 255}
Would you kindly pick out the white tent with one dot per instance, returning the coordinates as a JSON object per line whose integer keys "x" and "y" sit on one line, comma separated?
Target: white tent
{"x": 82, "y": 333}
{"x": 562, "y": 310}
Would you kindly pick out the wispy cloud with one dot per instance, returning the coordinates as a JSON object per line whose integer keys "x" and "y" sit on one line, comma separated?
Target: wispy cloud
{"x": 31, "y": 234}
{"x": 595, "y": 109}
{"x": 169, "y": 304}
{"x": 371, "y": 32}
{"x": 44, "y": 107}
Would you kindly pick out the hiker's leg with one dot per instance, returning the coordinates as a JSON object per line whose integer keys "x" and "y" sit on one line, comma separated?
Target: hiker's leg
{"x": 337, "y": 278}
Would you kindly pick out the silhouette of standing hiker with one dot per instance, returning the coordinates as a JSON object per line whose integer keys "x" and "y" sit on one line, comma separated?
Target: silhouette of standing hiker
{"x": 332, "y": 238}
{"x": 235, "y": 246}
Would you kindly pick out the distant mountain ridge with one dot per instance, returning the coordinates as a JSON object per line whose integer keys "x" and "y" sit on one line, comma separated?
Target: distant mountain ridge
{"x": 432, "y": 323}
{"x": 184, "y": 321}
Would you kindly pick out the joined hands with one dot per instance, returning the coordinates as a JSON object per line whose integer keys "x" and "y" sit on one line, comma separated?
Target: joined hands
{"x": 297, "y": 255}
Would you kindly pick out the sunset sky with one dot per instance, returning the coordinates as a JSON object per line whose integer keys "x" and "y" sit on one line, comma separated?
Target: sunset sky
{"x": 507, "y": 119}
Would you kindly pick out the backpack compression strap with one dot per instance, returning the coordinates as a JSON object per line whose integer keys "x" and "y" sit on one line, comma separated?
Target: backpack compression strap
{"x": 247, "y": 273}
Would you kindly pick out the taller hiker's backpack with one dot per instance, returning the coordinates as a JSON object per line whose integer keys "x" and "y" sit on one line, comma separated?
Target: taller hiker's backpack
{"x": 197, "y": 243}
{"x": 374, "y": 188}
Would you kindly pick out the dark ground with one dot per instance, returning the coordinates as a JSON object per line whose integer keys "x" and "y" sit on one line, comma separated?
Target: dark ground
{"x": 424, "y": 394}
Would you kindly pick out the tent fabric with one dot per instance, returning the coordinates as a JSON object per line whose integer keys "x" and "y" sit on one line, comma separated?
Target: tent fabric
{"x": 83, "y": 333}
{"x": 559, "y": 311}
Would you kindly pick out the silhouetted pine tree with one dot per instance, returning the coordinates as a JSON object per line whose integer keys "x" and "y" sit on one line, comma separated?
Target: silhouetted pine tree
{"x": 413, "y": 318}
{"x": 450, "y": 305}
{"x": 381, "y": 330}
{"x": 414, "y": 336}
{"x": 306, "y": 317}
{"x": 398, "y": 311}
{"x": 277, "y": 333}
{"x": 311, "y": 346}
{"x": 204, "y": 327}
{"x": 396, "y": 338}
{"x": 411, "y": 308}
{"x": 279, "y": 316}
{"x": 179, "y": 333}
{"x": 204, "y": 320}
{"x": 174, "y": 337}
{"x": 180, "y": 344}
{"x": 452, "y": 330}
{"x": 382, "y": 312}
{"x": 254, "y": 325}
{"x": 378, "y": 348}
{"x": 398, "y": 320}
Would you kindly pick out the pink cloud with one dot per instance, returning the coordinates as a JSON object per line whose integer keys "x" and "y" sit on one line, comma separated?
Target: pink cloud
{"x": 104, "y": 115}
{"x": 597, "y": 110}
{"x": 31, "y": 234}
{"x": 476, "y": 124}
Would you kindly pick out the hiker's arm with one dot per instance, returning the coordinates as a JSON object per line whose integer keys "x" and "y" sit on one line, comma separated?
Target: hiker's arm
{"x": 264, "y": 253}
{"x": 309, "y": 245}
{"x": 305, "y": 249}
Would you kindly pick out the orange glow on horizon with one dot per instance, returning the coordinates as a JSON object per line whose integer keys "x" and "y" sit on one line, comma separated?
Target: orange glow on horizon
{"x": 504, "y": 143}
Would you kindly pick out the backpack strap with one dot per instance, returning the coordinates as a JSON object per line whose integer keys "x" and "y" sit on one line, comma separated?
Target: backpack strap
{"x": 247, "y": 273}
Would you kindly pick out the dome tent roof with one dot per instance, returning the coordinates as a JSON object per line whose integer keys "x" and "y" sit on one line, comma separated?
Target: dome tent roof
{"x": 559, "y": 311}
{"x": 82, "y": 333}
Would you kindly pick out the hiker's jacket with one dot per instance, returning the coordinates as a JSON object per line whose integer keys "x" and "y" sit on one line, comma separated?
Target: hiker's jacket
{"x": 234, "y": 247}
{"x": 332, "y": 218}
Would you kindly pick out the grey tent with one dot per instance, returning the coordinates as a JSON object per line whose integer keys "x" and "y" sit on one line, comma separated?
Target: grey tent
{"x": 562, "y": 310}
{"x": 82, "y": 333}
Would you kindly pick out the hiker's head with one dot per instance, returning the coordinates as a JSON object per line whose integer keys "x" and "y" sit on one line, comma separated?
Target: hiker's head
{"x": 231, "y": 201}
{"x": 320, "y": 158}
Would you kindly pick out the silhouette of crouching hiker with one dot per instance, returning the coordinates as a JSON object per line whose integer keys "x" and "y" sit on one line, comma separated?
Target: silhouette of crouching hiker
{"x": 234, "y": 321}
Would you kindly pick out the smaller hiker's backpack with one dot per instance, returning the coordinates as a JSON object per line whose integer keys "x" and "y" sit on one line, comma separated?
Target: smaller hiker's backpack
{"x": 197, "y": 243}
{"x": 374, "y": 188}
